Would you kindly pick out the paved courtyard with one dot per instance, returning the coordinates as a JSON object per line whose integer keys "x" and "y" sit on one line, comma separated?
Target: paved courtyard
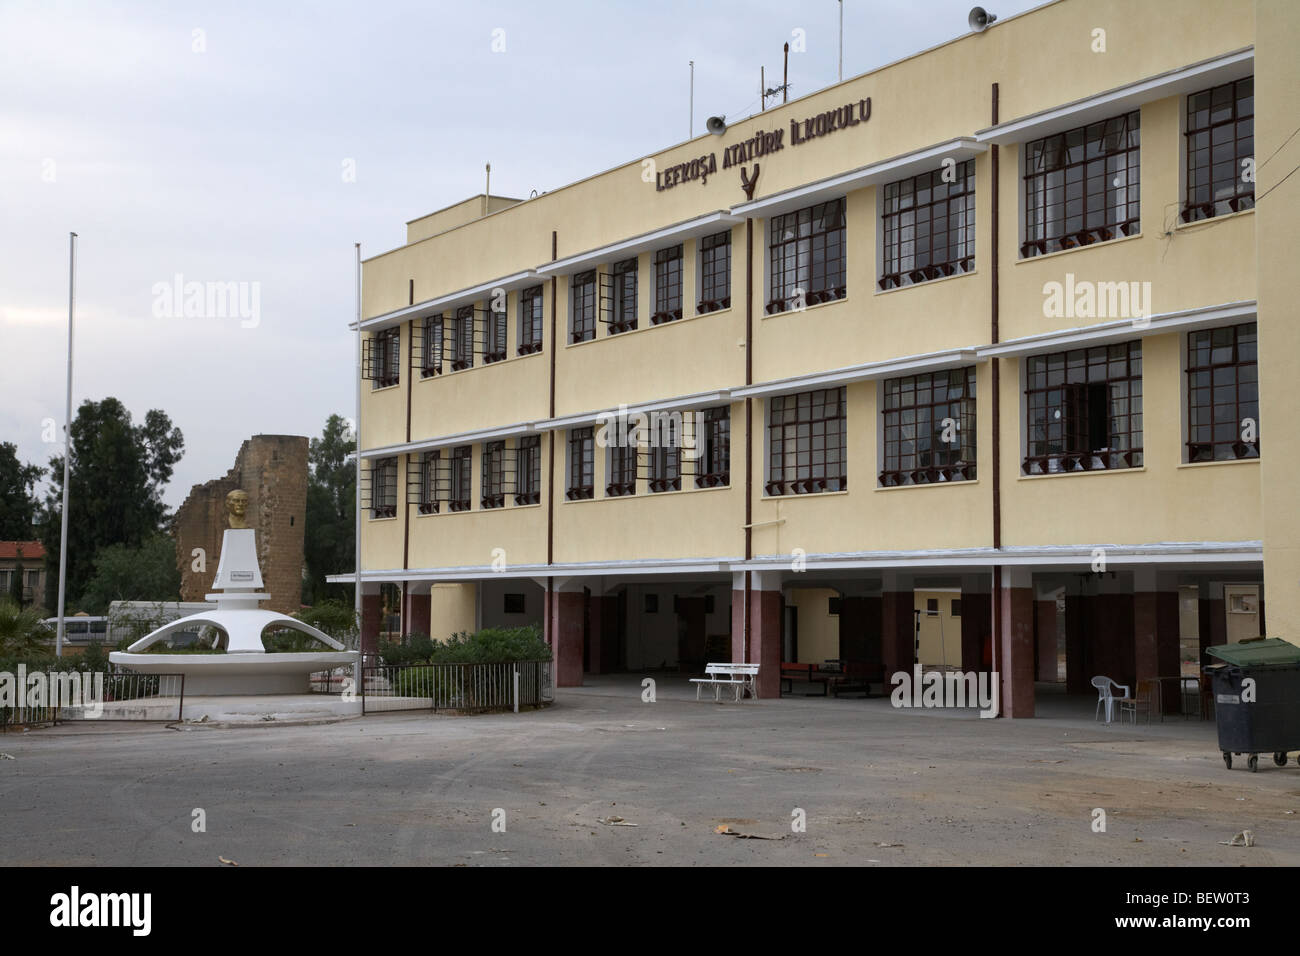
{"x": 878, "y": 786}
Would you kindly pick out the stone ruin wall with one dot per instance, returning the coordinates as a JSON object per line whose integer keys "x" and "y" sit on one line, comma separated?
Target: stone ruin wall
{"x": 272, "y": 469}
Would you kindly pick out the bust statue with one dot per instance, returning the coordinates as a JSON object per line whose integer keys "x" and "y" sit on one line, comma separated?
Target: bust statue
{"x": 237, "y": 509}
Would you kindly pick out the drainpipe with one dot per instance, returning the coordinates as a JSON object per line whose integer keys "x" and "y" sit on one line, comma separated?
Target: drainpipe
{"x": 996, "y": 406}
{"x": 550, "y": 458}
{"x": 749, "y": 428}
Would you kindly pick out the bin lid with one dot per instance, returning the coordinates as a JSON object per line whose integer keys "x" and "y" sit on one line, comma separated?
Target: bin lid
{"x": 1273, "y": 652}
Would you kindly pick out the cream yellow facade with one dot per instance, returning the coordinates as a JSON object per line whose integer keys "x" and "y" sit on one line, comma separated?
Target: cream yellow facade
{"x": 1164, "y": 523}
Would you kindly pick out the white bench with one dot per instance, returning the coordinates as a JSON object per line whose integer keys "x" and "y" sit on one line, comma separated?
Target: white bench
{"x": 742, "y": 677}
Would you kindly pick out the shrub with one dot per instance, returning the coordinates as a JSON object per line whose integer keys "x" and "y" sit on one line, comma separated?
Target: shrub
{"x": 417, "y": 649}
{"x": 493, "y": 645}
{"x": 336, "y": 618}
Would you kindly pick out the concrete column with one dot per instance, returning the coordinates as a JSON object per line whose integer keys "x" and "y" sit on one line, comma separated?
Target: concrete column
{"x": 416, "y": 614}
{"x": 854, "y": 634}
{"x": 568, "y": 625}
{"x": 1077, "y": 678}
{"x": 897, "y": 625}
{"x": 764, "y": 646}
{"x": 371, "y": 615}
{"x": 1045, "y": 638}
{"x": 1016, "y": 643}
{"x": 976, "y": 628}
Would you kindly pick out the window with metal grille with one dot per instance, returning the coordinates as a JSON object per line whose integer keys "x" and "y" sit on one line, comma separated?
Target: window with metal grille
{"x": 430, "y": 463}
{"x": 807, "y": 443}
{"x": 383, "y": 488}
{"x": 493, "y": 491}
{"x": 494, "y": 339}
{"x": 715, "y": 272}
{"x": 806, "y": 257}
{"x": 528, "y": 470}
{"x": 929, "y": 226}
{"x": 459, "y": 338}
{"x": 1084, "y": 410}
{"x": 584, "y": 307}
{"x": 1220, "y": 141}
{"x": 461, "y": 476}
{"x": 582, "y": 478}
{"x": 1223, "y": 394}
{"x": 530, "y": 320}
{"x": 621, "y": 471}
{"x": 1082, "y": 186}
{"x": 929, "y": 428}
{"x": 431, "y": 363}
{"x": 668, "y": 285}
{"x": 382, "y": 358}
{"x": 714, "y": 463}
{"x": 665, "y": 452}
{"x": 623, "y": 315}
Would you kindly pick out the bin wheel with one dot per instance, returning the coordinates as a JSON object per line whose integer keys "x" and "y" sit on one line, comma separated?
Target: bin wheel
{"x": 1252, "y": 763}
{"x": 1227, "y": 760}
{"x": 1279, "y": 758}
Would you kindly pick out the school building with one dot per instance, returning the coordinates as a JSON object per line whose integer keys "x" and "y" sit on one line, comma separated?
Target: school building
{"x": 975, "y": 347}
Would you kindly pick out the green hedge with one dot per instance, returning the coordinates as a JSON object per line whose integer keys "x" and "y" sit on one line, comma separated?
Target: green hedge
{"x": 492, "y": 645}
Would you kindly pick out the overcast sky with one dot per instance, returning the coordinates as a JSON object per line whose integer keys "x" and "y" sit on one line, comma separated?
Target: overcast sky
{"x": 215, "y": 142}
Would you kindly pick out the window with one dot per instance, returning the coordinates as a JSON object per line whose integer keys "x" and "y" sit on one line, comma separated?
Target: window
{"x": 806, "y": 443}
{"x": 432, "y": 337}
{"x": 715, "y": 272}
{"x": 666, "y": 453}
{"x": 931, "y": 605}
{"x": 1081, "y": 186}
{"x": 584, "y": 307}
{"x": 4, "y": 581}
{"x": 460, "y": 339}
{"x": 494, "y": 342}
{"x": 929, "y": 227}
{"x": 381, "y": 359}
{"x": 581, "y": 463}
{"x": 715, "y": 455}
{"x": 1223, "y": 394}
{"x": 1084, "y": 410}
{"x": 427, "y": 499}
{"x": 383, "y": 488}
{"x": 668, "y": 285}
{"x": 806, "y": 256}
{"x": 956, "y": 607}
{"x": 623, "y": 309}
{"x": 513, "y": 604}
{"x": 459, "y": 497}
{"x": 1220, "y": 138}
{"x": 493, "y": 494}
{"x": 530, "y": 320}
{"x": 929, "y": 428}
{"x": 621, "y": 471}
{"x": 528, "y": 470}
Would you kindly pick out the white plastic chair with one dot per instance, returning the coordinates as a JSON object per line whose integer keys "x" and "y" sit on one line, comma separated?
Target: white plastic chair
{"x": 1105, "y": 686}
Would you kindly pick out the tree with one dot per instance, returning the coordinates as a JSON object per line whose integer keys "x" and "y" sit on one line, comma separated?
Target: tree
{"x": 19, "y": 504}
{"x": 22, "y": 632}
{"x": 329, "y": 537}
{"x": 145, "y": 573}
{"x": 117, "y": 473}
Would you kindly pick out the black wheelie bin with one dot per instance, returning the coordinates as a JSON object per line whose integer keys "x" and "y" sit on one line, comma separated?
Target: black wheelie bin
{"x": 1257, "y": 699}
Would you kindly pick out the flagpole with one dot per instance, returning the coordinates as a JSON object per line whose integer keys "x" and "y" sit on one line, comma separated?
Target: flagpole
{"x": 67, "y": 449}
{"x": 357, "y": 509}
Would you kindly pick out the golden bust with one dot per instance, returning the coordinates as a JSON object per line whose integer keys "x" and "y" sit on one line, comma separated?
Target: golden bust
{"x": 237, "y": 509}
